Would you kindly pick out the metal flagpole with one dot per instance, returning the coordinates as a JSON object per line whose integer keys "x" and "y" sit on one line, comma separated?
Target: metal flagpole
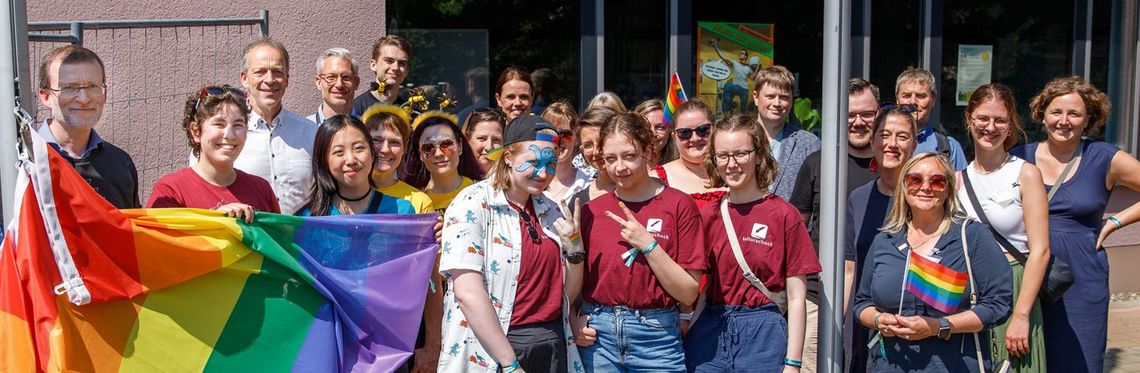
{"x": 833, "y": 196}
{"x": 8, "y": 84}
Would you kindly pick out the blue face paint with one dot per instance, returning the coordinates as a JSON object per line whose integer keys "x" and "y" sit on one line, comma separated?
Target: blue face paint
{"x": 544, "y": 158}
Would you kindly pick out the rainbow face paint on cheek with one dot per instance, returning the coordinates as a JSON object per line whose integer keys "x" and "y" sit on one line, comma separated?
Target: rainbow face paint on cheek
{"x": 544, "y": 158}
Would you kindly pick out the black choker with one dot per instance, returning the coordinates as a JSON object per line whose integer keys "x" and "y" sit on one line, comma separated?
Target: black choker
{"x": 346, "y": 199}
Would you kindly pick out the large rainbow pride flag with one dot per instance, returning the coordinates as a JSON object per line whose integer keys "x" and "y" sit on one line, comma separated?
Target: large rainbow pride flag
{"x": 85, "y": 287}
{"x": 937, "y": 285}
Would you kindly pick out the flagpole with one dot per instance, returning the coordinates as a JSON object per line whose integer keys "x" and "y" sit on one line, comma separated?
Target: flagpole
{"x": 906, "y": 273}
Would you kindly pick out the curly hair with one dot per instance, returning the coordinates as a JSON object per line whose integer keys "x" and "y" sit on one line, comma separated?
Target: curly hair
{"x": 1096, "y": 102}
{"x": 195, "y": 112}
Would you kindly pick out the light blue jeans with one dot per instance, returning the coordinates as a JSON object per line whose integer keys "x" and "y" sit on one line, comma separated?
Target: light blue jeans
{"x": 633, "y": 340}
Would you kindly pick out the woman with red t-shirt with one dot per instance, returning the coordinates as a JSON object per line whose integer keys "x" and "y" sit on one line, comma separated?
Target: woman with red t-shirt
{"x": 215, "y": 125}
{"x": 687, "y": 173}
{"x": 742, "y": 324}
{"x": 644, "y": 253}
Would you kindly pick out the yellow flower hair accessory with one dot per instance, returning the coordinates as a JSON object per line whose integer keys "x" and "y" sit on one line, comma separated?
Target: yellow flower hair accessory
{"x": 389, "y": 109}
{"x": 435, "y": 114}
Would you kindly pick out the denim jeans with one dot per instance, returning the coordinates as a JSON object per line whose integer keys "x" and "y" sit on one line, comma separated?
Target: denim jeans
{"x": 633, "y": 340}
{"x": 737, "y": 339}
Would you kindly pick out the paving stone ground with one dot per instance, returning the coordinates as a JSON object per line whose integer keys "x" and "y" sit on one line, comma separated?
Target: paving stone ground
{"x": 1123, "y": 355}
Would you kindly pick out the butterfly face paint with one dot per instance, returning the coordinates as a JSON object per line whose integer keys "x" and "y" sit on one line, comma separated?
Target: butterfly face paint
{"x": 544, "y": 158}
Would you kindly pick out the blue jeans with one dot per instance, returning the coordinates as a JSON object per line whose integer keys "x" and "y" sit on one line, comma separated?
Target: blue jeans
{"x": 737, "y": 339}
{"x": 633, "y": 340}
{"x": 734, "y": 91}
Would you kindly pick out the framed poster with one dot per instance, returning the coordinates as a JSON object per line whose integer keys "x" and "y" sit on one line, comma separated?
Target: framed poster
{"x": 727, "y": 54}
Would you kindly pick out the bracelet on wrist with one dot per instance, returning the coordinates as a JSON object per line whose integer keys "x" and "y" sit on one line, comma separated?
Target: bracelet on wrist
{"x": 875, "y": 321}
{"x": 512, "y": 367}
{"x": 649, "y": 248}
{"x": 575, "y": 237}
{"x": 793, "y": 362}
{"x": 1116, "y": 221}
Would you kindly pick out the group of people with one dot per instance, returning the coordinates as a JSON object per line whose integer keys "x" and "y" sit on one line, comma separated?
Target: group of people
{"x": 612, "y": 240}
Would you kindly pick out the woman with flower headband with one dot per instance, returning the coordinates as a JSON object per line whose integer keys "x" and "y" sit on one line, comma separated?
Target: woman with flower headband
{"x": 645, "y": 251}
{"x": 513, "y": 259}
{"x": 215, "y": 126}
{"x": 440, "y": 162}
{"x": 484, "y": 132}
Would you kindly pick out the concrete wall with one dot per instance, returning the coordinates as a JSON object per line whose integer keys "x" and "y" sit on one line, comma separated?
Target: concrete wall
{"x": 151, "y": 72}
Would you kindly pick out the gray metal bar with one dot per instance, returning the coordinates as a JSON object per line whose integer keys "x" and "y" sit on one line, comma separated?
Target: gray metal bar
{"x": 680, "y": 40}
{"x": 151, "y": 23}
{"x": 591, "y": 69}
{"x": 1122, "y": 75}
{"x": 674, "y": 23}
{"x": 53, "y": 38}
{"x": 77, "y": 32}
{"x": 1082, "y": 37}
{"x": 264, "y": 22}
{"x": 10, "y": 133}
{"x": 833, "y": 201}
{"x": 25, "y": 90}
{"x": 861, "y": 38}
{"x": 931, "y": 51}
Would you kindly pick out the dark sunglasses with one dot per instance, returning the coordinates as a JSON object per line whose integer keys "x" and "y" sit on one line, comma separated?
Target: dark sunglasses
{"x": 904, "y": 108}
{"x": 213, "y": 90}
{"x": 530, "y": 229}
{"x": 915, "y": 181}
{"x": 565, "y": 135}
{"x": 444, "y": 146}
{"x": 702, "y": 131}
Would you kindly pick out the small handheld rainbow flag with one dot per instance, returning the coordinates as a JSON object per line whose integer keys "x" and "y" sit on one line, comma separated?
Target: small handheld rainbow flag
{"x": 936, "y": 284}
{"x": 674, "y": 98}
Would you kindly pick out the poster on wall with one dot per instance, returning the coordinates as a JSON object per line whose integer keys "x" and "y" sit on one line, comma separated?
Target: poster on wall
{"x": 727, "y": 54}
{"x": 975, "y": 67}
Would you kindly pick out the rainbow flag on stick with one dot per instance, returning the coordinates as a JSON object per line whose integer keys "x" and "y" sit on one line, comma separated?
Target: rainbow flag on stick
{"x": 85, "y": 287}
{"x": 936, "y": 284}
{"x": 674, "y": 98}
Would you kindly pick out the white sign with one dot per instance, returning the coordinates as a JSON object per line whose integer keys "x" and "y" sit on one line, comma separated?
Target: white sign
{"x": 975, "y": 68}
{"x": 715, "y": 70}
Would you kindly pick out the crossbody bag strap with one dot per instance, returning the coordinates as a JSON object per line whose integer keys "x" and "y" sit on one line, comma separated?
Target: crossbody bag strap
{"x": 1065, "y": 172}
{"x": 973, "y": 289}
{"x": 1005, "y": 244}
{"x": 780, "y": 300}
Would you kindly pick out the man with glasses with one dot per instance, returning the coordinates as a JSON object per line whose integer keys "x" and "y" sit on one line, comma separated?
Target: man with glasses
{"x": 772, "y": 92}
{"x": 73, "y": 84}
{"x": 862, "y": 110}
{"x": 916, "y": 87}
{"x": 279, "y": 143}
{"x": 337, "y": 79}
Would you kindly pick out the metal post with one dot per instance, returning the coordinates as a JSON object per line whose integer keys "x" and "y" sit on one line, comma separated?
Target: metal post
{"x": 592, "y": 68}
{"x": 7, "y": 105}
{"x": 931, "y": 51}
{"x": 680, "y": 41}
{"x": 24, "y": 91}
{"x": 77, "y": 33}
{"x": 264, "y": 14}
{"x": 1122, "y": 87}
{"x": 833, "y": 199}
{"x": 861, "y": 38}
{"x": 1082, "y": 37}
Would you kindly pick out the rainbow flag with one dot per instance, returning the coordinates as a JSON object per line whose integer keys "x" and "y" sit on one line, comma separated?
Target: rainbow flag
{"x": 936, "y": 284}
{"x": 85, "y": 287}
{"x": 674, "y": 98}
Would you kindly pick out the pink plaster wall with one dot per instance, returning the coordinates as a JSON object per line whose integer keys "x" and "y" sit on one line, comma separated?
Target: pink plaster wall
{"x": 151, "y": 72}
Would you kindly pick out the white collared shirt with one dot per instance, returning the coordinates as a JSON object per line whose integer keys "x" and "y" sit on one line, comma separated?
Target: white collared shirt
{"x": 319, "y": 116}
{"x": 282, "y": 156}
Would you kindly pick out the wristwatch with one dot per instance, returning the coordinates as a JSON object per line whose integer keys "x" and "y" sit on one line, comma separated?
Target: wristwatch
{"x": 575, "y": 258}
{"x": 943, "y": 328}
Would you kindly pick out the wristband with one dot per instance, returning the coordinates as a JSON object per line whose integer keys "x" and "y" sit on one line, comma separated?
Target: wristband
{"x": 651, "y": 246}
{"x": 875, "y": 321}
{"x": 1116, "y": 221}
{"x": 575, "y": 237}
{"x": 511, "y": 368}
{"x": 793, "y": 363}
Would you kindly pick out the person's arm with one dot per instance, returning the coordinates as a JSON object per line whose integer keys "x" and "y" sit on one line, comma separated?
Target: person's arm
{"x": 1124, "y": 170}
{"x": 848, "y": 258}
{"x": 796, "y": 288}
{"x": 848, "y": 281}
{"x": 481, "y": 317}
{"x": 1035, "y": 210}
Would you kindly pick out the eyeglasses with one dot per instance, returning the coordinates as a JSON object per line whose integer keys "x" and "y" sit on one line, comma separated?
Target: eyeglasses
{"x": 702, "y": 131}
{"x": 660, "y": 127}
{"x": 866, "y": 115}
{"x": 445, "y": 146}
{"x": 565, "y": 136}
{"x": 72, "y": 91}
{"x": 216, "y": 91}
{"x": 738, "y": 156}
{"x": 333, "y": 78}
{"x": 916, "y": 180}
{"x": 904, "y": 108}
{"x": 982, "y": 121}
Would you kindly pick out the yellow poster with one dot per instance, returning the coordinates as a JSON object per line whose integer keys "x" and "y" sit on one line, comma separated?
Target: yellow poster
{"x": 727, "y": 55}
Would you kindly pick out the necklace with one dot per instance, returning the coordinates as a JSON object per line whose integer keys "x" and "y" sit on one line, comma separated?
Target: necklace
{"x": 915, "y": 247}
{"x": 346, "y": 199}
{"x": 982, "y": 171}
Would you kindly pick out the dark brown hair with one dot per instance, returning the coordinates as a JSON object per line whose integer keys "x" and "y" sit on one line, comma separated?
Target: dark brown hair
{"x": 766, "y": 166}
{"x": 393, "y": 40}
{"x": 196, "y": 112}
{"x": 633, "y": 126}
{"x": 513, "y": 73}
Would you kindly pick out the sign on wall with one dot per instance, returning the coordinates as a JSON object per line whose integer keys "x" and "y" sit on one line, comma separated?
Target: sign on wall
{"x": 975, "y": 67}
{"x": 727, "y": 54}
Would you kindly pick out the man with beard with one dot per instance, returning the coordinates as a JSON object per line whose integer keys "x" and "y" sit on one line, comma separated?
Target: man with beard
{"x": 73, "y": 85}
{"x": 862, "y": 109}
{"x": 337, "y": 79}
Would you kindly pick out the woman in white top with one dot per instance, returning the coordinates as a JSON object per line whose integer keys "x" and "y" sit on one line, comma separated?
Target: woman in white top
{"x": 1013, "y": 198}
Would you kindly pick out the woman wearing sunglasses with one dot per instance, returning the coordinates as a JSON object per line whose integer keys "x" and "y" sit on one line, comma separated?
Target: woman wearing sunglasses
{"x": 893, "y": 142}
{"x": 484, "y": 132}
{"x": 933, "y": 284}
{"x": 645, "y": 251}
{"x": 664, "y": 149}
{"x": 343, "y": 160}
{"x": 513, "y": 259}
{"x": 441, "y": 163}
{"x": 569, "y": 180}
{"x": 742, "y": 325}
{"x": 215, "y": 125}
{"x": 1070, "y": 108}
{"x": 688, "y": 173}
{"x": 1012, "y": 198}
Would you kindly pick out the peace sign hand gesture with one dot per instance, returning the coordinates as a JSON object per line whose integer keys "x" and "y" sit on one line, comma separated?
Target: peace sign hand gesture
{"x": 631, "y": 230}
{"x": 569, "y": 227}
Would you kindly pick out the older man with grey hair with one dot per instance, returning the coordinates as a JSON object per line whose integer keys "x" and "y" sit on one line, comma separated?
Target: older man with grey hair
{"x": 337, "y": 79}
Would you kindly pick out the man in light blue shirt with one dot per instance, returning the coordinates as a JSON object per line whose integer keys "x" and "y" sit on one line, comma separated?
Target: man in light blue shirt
{"x": 916, "y": 87}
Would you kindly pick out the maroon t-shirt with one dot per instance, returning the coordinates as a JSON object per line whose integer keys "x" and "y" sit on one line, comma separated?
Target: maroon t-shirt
{"x": 775, "y": 244}
{"x": 538, "y": 297}
{"x": 184, "y": 188}
{"x": 673, "y": 220}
